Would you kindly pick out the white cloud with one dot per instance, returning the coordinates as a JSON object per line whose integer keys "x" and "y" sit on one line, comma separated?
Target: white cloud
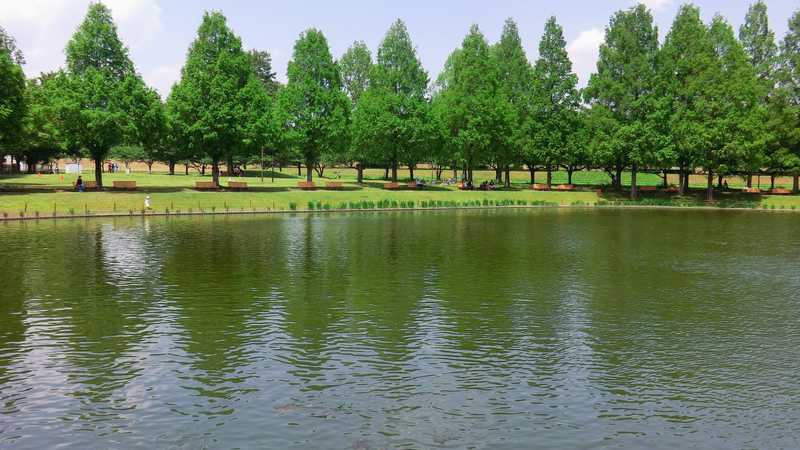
{"x": 43, "y": 27}
{"x": 163, "y": 77}
{"x": 583, "y": 52}
{"x": 656, "y": 5}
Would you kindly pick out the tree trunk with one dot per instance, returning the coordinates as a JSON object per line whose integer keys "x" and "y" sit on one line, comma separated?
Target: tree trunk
{"x": 532, "y": 170}
{"x": 455, "y": 171}
{"x": 309, "y": 171}
{"x": 203, "y": 169}
{"x": 386, "y": 173}
{"x": 229, "y": 164}
{"x": 710, "y": 186}
{"x": 498, "y": 174}
{"x": 411, "y": 170}
{"x": 772, "y": 181}
{"x": 719, "y": 181}
{"x": 186, "y": 169}
{"x": 634, "y": 187}
{"x": 508, "y": 177}
{"x": 666, "y": 178}
{"x": 299, "y": 171}
{"x": 681, "y": 181}
{"x": 749, "y": 180}
{"x": 215, "y": 171}
{"x": 98, "y": 173}
{"x": 796, "y": 187}
{"x": 394, "y": 172}
{"x": 618, "y": 176}
{"x": 569, "y": 175}
{"x": 360, "y": 170}
{"x": 549, "y": 176}
{"x": 171, "y": 165}
{"x": 150, "y": 168}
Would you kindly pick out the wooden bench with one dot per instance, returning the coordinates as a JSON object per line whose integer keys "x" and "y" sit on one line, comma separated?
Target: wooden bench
{"x": 671, "y": 190}
{"x": 392, "y": 186}
{"x": 778, "y": 191}
{"x": 306, "y": 185}
{"x": 540, "y": 187}
{"x": 333, "y": 185}
{"x": 206, "y": 186}
{"x": 565, "y": 187}
{"x": 87, "y": 185}
{"x": 751, "y": 190}
{"x": 125, "y": 185}
{"x": 237, "y": 185}
{"x": 648, "y": 188}
{"x": 414, "y": 185}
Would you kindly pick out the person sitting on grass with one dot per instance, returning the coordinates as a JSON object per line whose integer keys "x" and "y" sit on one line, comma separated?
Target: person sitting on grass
{"x": 79, "y": 184}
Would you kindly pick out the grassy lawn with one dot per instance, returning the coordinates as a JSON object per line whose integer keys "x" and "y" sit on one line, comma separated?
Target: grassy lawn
{"x": 47, "y": 193}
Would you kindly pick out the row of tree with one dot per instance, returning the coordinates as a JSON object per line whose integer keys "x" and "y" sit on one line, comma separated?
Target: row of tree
{"x": 704, "y": 99}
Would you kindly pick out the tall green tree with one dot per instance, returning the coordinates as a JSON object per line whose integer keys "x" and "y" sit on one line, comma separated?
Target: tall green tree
{"x": 737, "y": 114}
{"x": 206, "y": 103}
{"x": 356, "y": 66}
{"x": 313, "y": 108}
{"x": 9, "y": 45}
{"x": 262, "y": 66}
{"x": 469, "y": 101}
{"x": 397, "y": 91}
{"x": 12, "y": 102}
{"x": 93, "y": 91}
{"x": 555, "y": 100}
{"x": 147, "y": 124}
{"x": 515, "y": 85}
{"x": 687, "y": 64}
{"x": 759, "y": 40}
{"x": 787, "y": 128}
{"x": 42, "y": 139}
{"x": 624, "y": 84}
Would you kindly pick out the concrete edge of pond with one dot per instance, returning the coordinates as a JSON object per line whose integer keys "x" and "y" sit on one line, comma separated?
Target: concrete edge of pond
{"x": 351, "y": 210}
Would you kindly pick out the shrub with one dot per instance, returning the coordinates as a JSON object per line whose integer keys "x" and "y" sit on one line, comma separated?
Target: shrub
{"x": 311, "y": 205}
{"x": 293, "y": 206}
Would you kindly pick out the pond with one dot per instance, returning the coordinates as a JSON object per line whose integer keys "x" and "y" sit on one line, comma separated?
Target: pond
{"x": 507, "y": 329}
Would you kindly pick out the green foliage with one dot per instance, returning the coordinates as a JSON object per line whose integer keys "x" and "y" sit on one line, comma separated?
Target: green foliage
{"x": 262, "y": 68}
{"x": 207, "y": 106}
{"x": 313, "y": 110}
{"x": 623, "y": 87}
{"x": 42, "y": 138}
{"x": 473, "y": 111}
{"x": 759, "y": 40}
{"x": 513, "y": 102}
{"x": 554, "y": 122}
{"x": 356, "y": 65}
{"x": 12, "y": 101}
{"x": 390, "y": 123}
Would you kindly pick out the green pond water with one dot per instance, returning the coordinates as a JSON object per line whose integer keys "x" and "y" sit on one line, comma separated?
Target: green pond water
{"x": 543, "y": 329}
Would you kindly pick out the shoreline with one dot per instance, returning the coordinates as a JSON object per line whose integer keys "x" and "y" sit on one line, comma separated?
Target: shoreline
{"x": 143, "y": 214}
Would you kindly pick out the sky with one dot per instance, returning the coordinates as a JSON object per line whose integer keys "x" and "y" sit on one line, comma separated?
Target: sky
{"x": 158, "y": 32}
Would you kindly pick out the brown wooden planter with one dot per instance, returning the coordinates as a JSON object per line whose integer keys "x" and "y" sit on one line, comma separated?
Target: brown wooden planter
{"x": 237, "y": 185}
{"x": 206, "y": 186}
{"x": 306, "y": 185}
